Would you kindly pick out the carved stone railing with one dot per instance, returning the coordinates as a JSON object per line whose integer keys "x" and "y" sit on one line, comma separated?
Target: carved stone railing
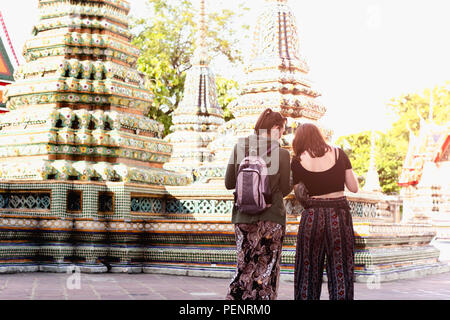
{"x": 373, "y": 207}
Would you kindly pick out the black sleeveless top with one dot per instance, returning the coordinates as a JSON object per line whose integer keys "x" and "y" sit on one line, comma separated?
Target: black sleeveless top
{"x": 322, "y": 182}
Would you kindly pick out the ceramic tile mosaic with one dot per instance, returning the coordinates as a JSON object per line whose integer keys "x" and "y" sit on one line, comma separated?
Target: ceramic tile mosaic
{"x": 78, "y": 115}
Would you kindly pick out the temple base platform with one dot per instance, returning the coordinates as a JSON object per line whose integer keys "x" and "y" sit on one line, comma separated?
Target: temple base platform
{"x": 99, "y": 227}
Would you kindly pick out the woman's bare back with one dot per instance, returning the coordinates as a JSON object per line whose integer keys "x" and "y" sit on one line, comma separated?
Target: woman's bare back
{"x": 325, "y": 163}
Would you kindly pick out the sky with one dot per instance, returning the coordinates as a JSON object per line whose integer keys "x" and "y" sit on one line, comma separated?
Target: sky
{"x": 361, "y": 53}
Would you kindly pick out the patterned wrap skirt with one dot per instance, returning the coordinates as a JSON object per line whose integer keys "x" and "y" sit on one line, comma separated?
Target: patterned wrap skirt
{"x": 259, "y": 247}
{"x": 325, "y": 230}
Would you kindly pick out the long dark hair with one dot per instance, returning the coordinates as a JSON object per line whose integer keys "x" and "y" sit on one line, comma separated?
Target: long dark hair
{"x": 309, "y": 138}
{"x": 267, "y": 120}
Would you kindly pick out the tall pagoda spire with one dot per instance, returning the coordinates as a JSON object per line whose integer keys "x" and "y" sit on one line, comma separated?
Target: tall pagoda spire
{"x": 201, "y": 51}
{"x": 277, "y": 74}
{"x": 276, "y": 78}
{"x": 199, "y": 114}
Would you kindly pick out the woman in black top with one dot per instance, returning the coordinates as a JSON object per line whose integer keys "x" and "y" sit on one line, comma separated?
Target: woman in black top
{"x": 326, "y": 226}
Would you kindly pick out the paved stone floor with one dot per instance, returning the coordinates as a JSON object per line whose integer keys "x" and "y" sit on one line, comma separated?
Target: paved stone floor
{"x": 51, "y": 286}
{"x": 113, "y": 286}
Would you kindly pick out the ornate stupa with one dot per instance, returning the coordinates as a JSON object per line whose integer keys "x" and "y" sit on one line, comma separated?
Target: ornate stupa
{"x": 78, "y": 106}
{"x": 78, "y": 155}
{"x": 197, "y": 118}
{"x": 276, "y": 77}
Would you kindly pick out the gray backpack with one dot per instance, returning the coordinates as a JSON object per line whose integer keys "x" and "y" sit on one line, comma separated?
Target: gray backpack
{"x": 253, "y": 194}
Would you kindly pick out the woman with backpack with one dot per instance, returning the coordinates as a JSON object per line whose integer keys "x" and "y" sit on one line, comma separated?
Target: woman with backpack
{"x": 259, "y": 172}
{"x": 326, "y": 227}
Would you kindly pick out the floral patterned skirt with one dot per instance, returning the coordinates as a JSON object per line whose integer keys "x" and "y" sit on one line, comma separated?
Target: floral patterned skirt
{"x": 259, "y": 247}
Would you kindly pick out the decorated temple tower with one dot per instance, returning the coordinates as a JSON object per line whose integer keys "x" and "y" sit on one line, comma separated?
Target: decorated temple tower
{"x": 199, "y": 114}
{"x": 78, "y": 141}
{"x": 81, "y": 90}
{"x": 276, "y": 78}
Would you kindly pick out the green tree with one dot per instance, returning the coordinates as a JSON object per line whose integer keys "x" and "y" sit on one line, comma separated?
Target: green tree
{"x": 227, "y": 92}
{"x": 408, "y": 107}
{"x": 388, "y": 159}
{"x": 167, "y": 42}
{"x": 357, "y": 147}
{"x": 392, "y": 146}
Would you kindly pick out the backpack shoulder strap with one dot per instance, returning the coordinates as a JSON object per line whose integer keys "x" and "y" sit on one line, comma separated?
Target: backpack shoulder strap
{"x": 247, "y": 146}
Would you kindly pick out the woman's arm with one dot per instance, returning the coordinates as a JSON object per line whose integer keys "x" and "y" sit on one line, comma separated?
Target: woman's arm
{"x": 351, "y": 182}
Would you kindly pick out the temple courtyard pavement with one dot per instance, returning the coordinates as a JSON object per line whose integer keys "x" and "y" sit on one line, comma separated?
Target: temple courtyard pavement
{"x": 113, "y": 286}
